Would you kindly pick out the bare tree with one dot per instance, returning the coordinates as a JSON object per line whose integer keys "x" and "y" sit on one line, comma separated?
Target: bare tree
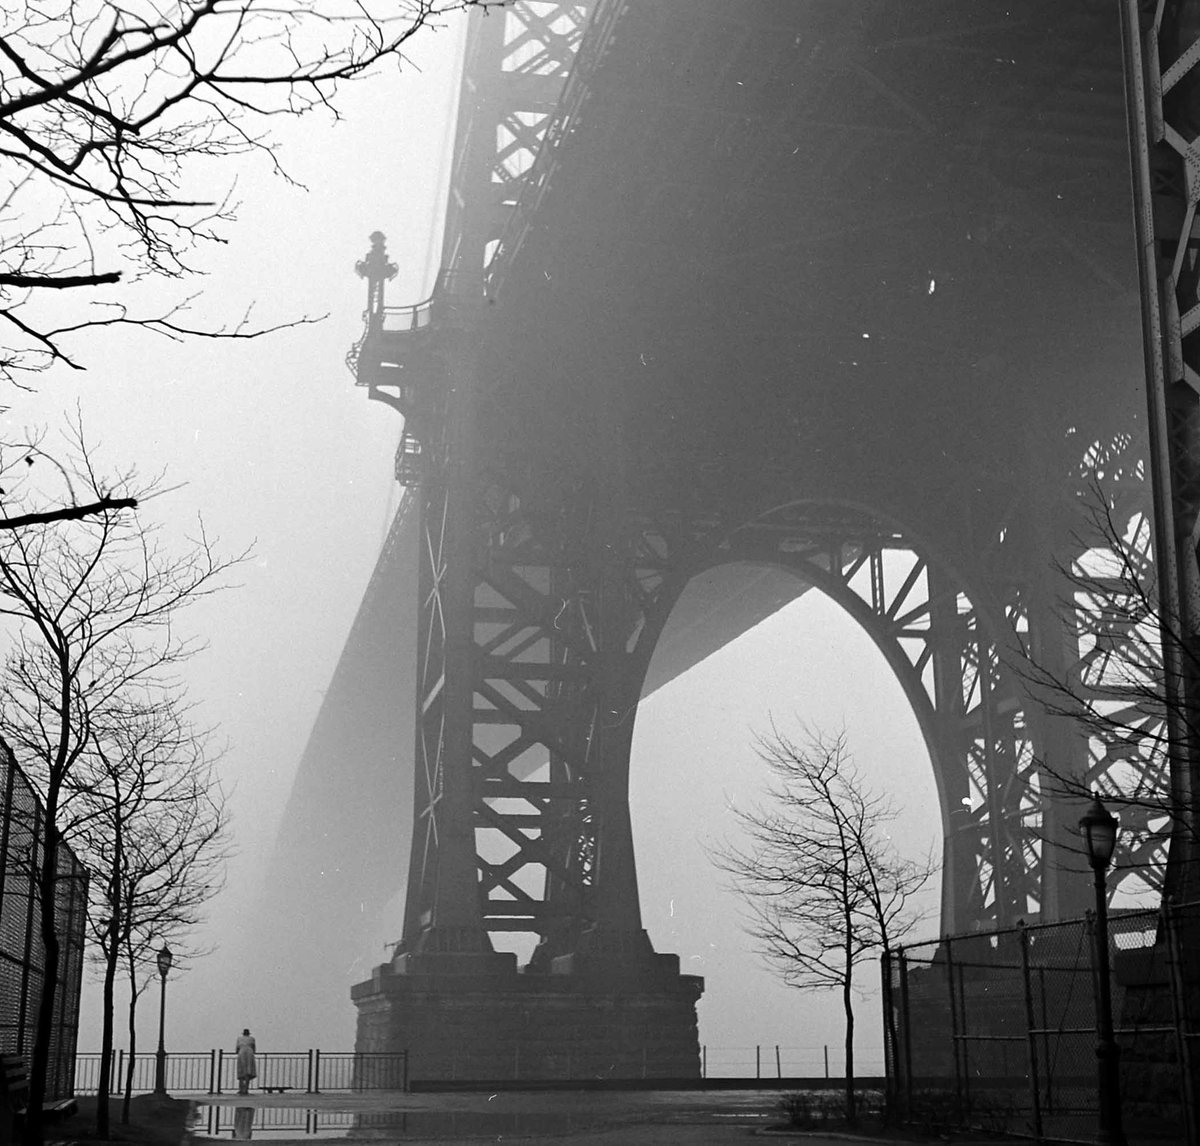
{"x": 109, "y": 117}
{"x": 155, "y": 845}
{"x": 823, "y": 883}
{"x": 92, "y": 605}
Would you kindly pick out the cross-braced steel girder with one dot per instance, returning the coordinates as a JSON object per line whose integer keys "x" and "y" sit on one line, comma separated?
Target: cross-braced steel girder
{"x": 553, "y": 599}
{"x": 545, "y": 586}
{"x": 1112, "y": 677}
{"x": 517, "y": 60}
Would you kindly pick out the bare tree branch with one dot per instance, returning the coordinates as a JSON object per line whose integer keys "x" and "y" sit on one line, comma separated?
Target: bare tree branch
{"x": 110, "y": 113}
{"x": 68, "y": 512}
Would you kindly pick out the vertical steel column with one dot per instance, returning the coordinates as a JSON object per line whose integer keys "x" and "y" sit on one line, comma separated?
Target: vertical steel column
{"x": 614, "y": 905}
{"x": 1161, "y": 43}
{"x": 442, "y": 909}
{"x": 1061, "y": 743}
{"x": 516, "y": 61}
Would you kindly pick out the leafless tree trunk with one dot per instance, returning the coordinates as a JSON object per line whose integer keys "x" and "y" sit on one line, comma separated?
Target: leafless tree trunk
{"x": 823, "y": 883}
{"x": 156, "y": 838}
{"x": 137, "y": 980}
{"x": 93, "y": 605}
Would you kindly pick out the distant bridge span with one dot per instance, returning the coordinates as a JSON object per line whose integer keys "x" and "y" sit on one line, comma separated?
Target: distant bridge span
{"x": 738, "y": 299}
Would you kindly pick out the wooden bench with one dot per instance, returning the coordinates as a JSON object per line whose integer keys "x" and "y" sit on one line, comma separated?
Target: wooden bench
{"x": 14, "y": 1078}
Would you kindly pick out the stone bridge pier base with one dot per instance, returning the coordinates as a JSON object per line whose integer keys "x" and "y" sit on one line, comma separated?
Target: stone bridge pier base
{"x": 476, "y": 1017}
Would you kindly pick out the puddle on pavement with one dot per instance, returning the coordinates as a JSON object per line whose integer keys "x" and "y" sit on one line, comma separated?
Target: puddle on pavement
{"x": 279, "y": 1122}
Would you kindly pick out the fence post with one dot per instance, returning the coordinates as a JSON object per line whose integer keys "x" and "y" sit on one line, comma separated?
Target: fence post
{"x": 220, "y": 1067}
{"x": 758, "y": 1061}
{"x": 957, "y": 1044}
{"x": 212, "y": 1071}
{"x": 778, "y": 1063}
{"x": 1049, "y": 1095}
{"x": 1179, "y": 1012}
{"x": 826, "y": 1049}
{"x": 406, "y": 1070}
{"x": 1031, "y": 1037}
{"x": 904, "y": 1019}
{"x": 317, "y": 1071}
{"x": 120, "y": 1070}
{"x": 889, "y": 1035}
{"x": 704, "y": 1061}
{"x": 308, "y": 1087}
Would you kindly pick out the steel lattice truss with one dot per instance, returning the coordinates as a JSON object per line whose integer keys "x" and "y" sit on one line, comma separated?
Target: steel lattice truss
{"x": 544, "y": 591}
{"x": 564, "y": 620}
{"x": 947, "y": 653}
{"x": 1114, "y": 682}
{"x": 516, "y": 64}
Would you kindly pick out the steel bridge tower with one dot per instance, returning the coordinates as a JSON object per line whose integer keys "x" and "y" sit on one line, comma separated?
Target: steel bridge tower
{"x": 576, "y": 457}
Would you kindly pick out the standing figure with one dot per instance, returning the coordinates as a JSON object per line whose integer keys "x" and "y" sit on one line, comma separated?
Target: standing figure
{"x": 245, "y": 1061}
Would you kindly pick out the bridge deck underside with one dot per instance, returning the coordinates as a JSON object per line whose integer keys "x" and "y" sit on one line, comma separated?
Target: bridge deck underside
{"x": 884, "y": 247}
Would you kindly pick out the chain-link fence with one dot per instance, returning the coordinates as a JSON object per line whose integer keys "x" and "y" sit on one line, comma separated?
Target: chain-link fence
{"x": 997, "y": 1031}
{"x": 22, "y": 956}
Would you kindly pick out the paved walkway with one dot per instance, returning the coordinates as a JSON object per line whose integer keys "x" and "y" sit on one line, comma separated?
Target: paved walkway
{"x": 594, "y": 1118}
{"x": 585, "y": 1118}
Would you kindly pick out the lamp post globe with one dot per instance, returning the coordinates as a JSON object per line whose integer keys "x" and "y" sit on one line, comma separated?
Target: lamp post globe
{"x": 164, "y": 959}
{"x": 1098, "y": 826}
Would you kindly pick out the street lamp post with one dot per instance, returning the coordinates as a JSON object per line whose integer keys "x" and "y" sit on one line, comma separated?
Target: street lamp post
{"x": 164, "y": 958}
{"x": 1099, "y": 829}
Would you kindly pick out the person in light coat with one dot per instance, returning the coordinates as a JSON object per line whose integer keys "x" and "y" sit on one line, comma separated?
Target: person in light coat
{"x": 245, "y": 1061}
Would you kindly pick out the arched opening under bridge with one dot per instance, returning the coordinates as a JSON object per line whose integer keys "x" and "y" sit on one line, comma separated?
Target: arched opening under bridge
{"x": 693, "y": 760}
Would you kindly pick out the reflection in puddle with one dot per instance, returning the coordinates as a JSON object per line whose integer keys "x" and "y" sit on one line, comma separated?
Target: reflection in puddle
{"x": 246, "y": 1122}
{"x": 266, "y": 1122}
{"x": 243, "y": 1122}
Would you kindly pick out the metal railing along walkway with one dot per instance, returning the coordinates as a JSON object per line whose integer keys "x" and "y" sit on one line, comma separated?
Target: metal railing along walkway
{"x": 316, "y": 1071}
{"x": 215, "y": 1072}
